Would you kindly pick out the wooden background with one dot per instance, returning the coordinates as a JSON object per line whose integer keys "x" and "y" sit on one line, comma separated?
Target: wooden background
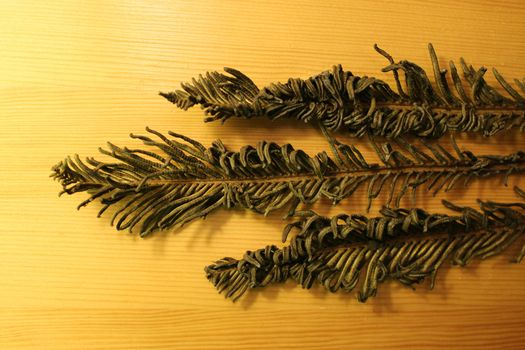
{"x": 75, "y": 74}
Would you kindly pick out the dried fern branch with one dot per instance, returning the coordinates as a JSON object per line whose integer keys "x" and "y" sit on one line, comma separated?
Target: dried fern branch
{"x": 182, "y": 180}
{"x": 366, "y": 105}
{"x": 352, "y": 251}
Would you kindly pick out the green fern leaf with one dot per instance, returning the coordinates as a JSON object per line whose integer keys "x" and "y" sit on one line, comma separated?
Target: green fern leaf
{"x": 366, "y": 105}
{"x": 182, "y": 180}
{"x": 351, "y": 251}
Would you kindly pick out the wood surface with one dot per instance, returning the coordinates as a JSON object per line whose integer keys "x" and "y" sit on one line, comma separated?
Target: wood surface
{"x": 75, "y": 74}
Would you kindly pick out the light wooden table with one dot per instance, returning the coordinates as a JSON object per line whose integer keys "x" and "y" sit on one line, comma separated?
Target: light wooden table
{"x": 74, "y": 75}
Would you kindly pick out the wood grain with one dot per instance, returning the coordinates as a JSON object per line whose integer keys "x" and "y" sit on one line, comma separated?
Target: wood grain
{"x": 77, "y": 74}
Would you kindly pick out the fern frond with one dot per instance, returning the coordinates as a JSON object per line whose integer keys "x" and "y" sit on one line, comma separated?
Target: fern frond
{"x": 351, "y": 251}
{"x": 366, "y": 105}
{"x": 182, "y": 180}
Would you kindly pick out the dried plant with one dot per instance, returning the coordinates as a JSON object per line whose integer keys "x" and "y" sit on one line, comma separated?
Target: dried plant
{"x": 181, "y": 180}
{"x": 366, "y": 105}
{"x": 352, "y": 251}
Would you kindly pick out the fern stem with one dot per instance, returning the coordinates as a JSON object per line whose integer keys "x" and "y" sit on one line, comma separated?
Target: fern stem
{"x": 403, "y": 171}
